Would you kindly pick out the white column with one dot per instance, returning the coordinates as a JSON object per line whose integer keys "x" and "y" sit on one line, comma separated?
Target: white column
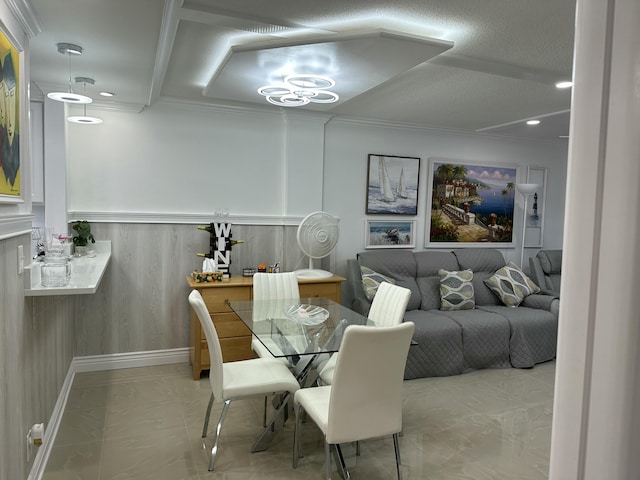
{"x": 304, "y": 162}
{"x": 55, "y": 166}
{"x": 596, "y": 425}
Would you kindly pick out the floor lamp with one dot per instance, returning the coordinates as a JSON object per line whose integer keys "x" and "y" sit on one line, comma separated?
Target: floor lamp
{"x": 526, "y": 190}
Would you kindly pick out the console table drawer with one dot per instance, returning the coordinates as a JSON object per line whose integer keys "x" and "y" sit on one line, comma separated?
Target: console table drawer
{"x": 326, "y": 290}
{"x": 216, "y": 298}
{"x": 229, "y": 325}
{"x": 236, "y": 348}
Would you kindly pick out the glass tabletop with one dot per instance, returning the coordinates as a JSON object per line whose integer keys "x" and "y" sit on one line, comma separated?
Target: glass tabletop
{"x": 300, "y": 326}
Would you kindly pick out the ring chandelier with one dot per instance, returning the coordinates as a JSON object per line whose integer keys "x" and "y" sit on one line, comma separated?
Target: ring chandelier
{"x": 298, "y": 90}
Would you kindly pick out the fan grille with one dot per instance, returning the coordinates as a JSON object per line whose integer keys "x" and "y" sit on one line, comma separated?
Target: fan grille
{"x": 318, "y": 234}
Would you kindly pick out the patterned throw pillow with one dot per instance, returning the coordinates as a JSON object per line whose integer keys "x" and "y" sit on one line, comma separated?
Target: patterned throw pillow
{"x": 456, "y": 290}
{"x": 371, "y": 280}
{"x": 511, "y": 285}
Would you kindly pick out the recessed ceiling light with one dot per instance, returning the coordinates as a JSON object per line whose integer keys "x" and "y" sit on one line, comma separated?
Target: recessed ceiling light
{"x": 533, "y": 122}
{"x": 107, "y": 94}
{"x": 564, "y": 84}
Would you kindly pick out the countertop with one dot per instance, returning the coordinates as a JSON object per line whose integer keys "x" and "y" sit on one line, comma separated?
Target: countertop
{"x": 86, "y": 274}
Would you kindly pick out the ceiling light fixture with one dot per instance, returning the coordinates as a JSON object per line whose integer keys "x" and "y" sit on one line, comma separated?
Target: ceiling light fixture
{"x": 107, "y": 94}
{"x": 533, "y": 122}
{"x": 84, "y": 119}
{"x": 564, "y": 84}
{"x": 300, "y": 89}
{"x": 69, "y": 97}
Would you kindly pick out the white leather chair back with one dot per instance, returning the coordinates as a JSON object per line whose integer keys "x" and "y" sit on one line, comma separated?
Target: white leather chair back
{"x": 268, "y": 286}
{"x": 213, "y": 342}
{"x": 366, "y": 394}
{"x": 389, "y": 305}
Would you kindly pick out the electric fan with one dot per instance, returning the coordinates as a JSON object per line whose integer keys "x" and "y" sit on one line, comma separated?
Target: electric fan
{"x": 317, "y": 237}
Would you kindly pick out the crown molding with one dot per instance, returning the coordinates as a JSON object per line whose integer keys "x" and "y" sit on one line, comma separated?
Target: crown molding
{"x": 14, "y": 225}
{"x": 182, "y": 218}
{"x": 25, "y": 15}
{"x": 368, "y": 123}
{"x": 168, "y": 29}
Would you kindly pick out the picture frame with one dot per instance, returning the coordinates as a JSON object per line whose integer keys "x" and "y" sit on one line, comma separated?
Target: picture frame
{"x": 392, "y": 185}
{"x": 11, "y": 90}
{"x": 470, "y": 204}
{"x": 534, "y": 229}
{"x": 390, "y": 234}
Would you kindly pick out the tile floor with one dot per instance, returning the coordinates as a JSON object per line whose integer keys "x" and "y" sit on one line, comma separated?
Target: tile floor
{"x": 145, "y": 423}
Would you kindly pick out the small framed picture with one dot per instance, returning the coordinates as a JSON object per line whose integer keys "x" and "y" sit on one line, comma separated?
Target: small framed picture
{"x": 392, "y": 185}
{"x": 390, "y": 234}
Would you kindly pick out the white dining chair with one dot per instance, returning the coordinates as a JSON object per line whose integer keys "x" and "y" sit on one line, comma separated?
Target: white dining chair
{"x": 365, "y": 399}
{"x": 271, "y": 286}
{"x": 257, "y": 377}
{"x": 387, "y": 309}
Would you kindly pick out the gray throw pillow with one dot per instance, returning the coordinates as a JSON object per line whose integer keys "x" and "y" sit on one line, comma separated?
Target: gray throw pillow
{"x": 456, "y": 290}
{"x": 371, "y": 280}
{"x": 511, "y": 285}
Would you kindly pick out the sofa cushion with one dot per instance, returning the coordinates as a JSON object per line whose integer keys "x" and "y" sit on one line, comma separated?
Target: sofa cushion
{"x": 485, "y": 338}
{"x": 551, "y": 265}
{"x": 371, "y": 280}
{"x": 439, "y": 346}
{"x": 550, "y": 261}
{"x": 456, "y": 290}
{"x": 397, "y": 264}
{"x": 428, "y": 279}
{"x": 483, "y": 263}
{"x": 511, "y": 285}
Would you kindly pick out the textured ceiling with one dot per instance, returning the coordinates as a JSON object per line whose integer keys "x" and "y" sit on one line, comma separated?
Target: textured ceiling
{"x": 500, "y": 71}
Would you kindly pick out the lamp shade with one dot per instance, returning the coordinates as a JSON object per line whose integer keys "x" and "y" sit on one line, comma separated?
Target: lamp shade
{"x": 527, "y": 188}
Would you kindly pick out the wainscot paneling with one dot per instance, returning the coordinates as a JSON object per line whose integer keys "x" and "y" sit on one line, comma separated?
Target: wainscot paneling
{"x": 36, "y": 349}
{"x": 141, "y": 304}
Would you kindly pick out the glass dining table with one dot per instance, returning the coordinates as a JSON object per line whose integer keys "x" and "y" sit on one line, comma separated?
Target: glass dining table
{"x": 299, "y": 329}
{"x": 305, "y": 331}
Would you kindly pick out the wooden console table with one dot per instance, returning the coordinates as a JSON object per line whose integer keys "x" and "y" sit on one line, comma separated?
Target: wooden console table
{"x": 235, "y": 337}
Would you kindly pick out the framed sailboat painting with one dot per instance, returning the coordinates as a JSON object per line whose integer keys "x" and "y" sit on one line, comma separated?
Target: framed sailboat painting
{"x": 392, "y": 185}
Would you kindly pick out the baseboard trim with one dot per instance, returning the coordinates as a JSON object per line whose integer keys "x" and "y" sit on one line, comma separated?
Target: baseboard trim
{"x": 115, "y": 361}
{"x": 51, "y": 430}
{"x": 96, "y": 363}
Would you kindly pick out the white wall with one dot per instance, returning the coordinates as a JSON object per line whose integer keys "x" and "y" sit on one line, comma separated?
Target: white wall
{"x": 172, "y": 159}
{"x": 346, "y": 171}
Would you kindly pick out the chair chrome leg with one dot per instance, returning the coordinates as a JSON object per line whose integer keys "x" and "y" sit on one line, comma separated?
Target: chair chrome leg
{"x": 264, "y": 413}
{"x": 297, "y": 436}
{"x": 396, "y": 446}
{"x": 206, "y": 417}
{"x": 216, "y": 436}
{"x": 327, "y": 459}
{"x": 340, "y": 463}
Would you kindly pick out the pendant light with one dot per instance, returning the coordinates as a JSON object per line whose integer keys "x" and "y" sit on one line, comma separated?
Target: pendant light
{"x": 69, "y": 97}
{"x": 84, "y": 119}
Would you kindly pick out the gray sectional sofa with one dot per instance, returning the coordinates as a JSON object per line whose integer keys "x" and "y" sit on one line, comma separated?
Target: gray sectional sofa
{"x": 546, "y": 270}
{"x": 451, "y": 342}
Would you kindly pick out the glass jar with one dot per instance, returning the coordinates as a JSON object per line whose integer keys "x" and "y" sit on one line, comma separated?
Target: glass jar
{"x": 56, "y": 271}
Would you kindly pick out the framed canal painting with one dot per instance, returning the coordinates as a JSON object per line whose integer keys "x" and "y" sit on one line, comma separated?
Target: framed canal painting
{"x": 390, "y": 234}
{"x": 470, "y": 204}
{"x": 392, "y": 185}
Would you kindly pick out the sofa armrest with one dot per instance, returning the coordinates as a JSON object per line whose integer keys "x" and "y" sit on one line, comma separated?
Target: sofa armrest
{"x": 360, "y": 302}
{"x": 541, "y": 301}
